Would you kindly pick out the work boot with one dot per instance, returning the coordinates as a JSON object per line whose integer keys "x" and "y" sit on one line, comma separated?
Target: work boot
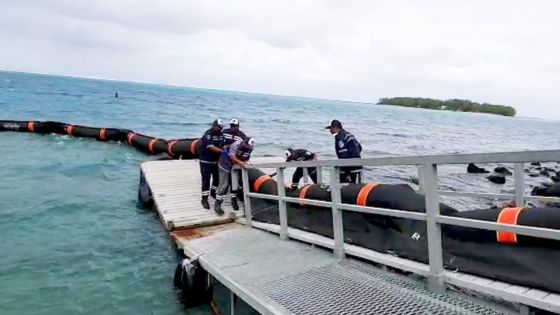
{"x": 213, "y": 193}
{"x": 204, "y": 203}
{"x": 234, "y": 204}
{"x": 218, "y": 207}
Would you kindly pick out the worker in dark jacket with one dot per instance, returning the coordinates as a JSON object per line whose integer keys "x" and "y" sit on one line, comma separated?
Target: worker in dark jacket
{"x": 346, "y": 147}
{"x": 238, "y": 153}
{"x": 231, "y": 135}
{"x": 301, "y": 155}
{"x": 212, "y": 141}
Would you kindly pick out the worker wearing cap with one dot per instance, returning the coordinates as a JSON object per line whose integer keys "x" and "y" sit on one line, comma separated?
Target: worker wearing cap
{"x": 346, "y": 147}
{"x": 231, "y": 135}
{"x": 301, "y": 155}
{"x": 238, "y": 153}
{"x": 212, "y": 142}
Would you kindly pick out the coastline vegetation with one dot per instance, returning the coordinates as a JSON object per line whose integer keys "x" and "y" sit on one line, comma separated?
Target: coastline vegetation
{"x": 452, "y": 105}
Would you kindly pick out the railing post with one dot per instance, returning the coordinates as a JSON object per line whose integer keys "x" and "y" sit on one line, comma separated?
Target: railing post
{"x": 360, "y": 175}
{"x": 338, "y": 227}
{"x": 246, "y": 198}
{"x": 282, "y": 204}
{"x": 305, "y": 175}
{"x": 436, "y": 279}
{"x": 519, "y": 177}
{"x": 420, "y": 180}
{"x": 232, "y": 303}
{"x": 319, "y": 175}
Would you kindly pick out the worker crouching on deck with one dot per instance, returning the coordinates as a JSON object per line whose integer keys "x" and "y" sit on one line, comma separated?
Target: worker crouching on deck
{"x": 212, "y": 141}
{"x": 299, "y": 155}
{"x": 346, "y": 147}
{"x": 238, "y": 153}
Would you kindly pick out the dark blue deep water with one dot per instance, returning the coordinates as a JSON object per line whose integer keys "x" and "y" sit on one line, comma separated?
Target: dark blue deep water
{"x": 72, "y": 239}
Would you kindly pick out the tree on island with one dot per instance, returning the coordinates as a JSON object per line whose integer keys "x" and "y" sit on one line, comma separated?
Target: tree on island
{"x": 452, "y": 104}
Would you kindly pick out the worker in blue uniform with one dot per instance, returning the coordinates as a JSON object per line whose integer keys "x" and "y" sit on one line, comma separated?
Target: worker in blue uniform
{"x": 346, "y": 147}
{"x": 231, "y": 135}
{"x": 238, "y": 153}
{"x": 212, "y": 142}
{"x": 299, "y": 155}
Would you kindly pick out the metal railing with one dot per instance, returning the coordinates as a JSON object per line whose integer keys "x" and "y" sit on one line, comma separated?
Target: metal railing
{"x": 428, "y": 183}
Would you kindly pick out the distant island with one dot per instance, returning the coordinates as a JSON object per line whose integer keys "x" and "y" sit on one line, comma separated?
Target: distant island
{"x": 453, "y": 105}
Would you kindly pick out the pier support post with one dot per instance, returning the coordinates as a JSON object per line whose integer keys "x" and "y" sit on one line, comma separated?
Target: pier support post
{"x": 246, "y": 198}
{"x": 436, "y": 279}
{"x": 420, "y": 180}
{"x": 338, "y": 227}
{"x": 519, "y": 177}
{"x": 232, "y": 302}
{"x": 305, "y": 176}
{"x": 282, "y": 204}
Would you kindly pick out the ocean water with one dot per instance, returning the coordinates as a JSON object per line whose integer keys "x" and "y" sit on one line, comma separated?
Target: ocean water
{"x": 73, "y": 239}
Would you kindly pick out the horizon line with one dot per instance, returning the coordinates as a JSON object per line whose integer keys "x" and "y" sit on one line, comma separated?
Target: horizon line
{"x": 216, "y": 89}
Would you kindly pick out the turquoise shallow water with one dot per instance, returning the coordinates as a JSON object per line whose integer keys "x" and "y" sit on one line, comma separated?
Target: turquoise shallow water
{"x": 74, "y": 240}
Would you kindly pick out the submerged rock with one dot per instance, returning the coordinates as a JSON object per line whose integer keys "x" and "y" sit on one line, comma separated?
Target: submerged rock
{"x": 556, "y": 178}
{"x": 544, "y": 172}
{"x": 502, "y": 170}
{"x": 551, "y": 191}
{"x": 534, "y": 175}
{"x": 473, "y": 169}
{"x": 536, "y": 163}
{"x": 498, "y": 179}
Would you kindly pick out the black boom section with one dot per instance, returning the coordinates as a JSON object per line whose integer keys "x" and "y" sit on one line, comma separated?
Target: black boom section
{"x": 179, "y": 148}
{"x": 515, "y": 259}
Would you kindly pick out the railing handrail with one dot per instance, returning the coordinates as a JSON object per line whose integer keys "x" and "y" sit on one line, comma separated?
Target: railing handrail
{"x": 498, "y": 157}
{"x": 428, "y": 178}
{"x": 521, "y": 229}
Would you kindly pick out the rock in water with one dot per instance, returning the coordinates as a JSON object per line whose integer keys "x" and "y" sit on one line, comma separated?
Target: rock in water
{"x": 544, "y": 172}
{"x": 534, "y": 175}
{"x": 502, "y": 170}
{"x": 556, "y": 178}
{"x": 498, "y": 179}
{"x": 473, "y": 169}
{"x": 552, "y": 191}
{"x": 536, "y": 163}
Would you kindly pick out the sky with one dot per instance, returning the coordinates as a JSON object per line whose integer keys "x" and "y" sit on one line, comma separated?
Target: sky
{"x": 500, "y": 52}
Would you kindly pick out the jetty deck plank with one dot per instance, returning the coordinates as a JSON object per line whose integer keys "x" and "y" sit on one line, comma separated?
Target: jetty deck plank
{"x": 175, "y": 187}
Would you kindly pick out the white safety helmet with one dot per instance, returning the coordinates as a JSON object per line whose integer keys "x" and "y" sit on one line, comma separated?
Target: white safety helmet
{"x": 251, "y": 142}
{"x": 218, "y": 122}
{"x": 287, "y": 153}
{"x": 234, "y": 122}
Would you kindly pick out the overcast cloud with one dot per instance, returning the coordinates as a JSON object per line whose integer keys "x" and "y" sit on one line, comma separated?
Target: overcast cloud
{"x": 502, "y": 52}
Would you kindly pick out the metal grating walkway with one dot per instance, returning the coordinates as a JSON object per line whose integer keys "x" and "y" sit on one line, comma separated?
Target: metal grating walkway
{"x": 351, "y": 287}
{"x": 288, "y": 277}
